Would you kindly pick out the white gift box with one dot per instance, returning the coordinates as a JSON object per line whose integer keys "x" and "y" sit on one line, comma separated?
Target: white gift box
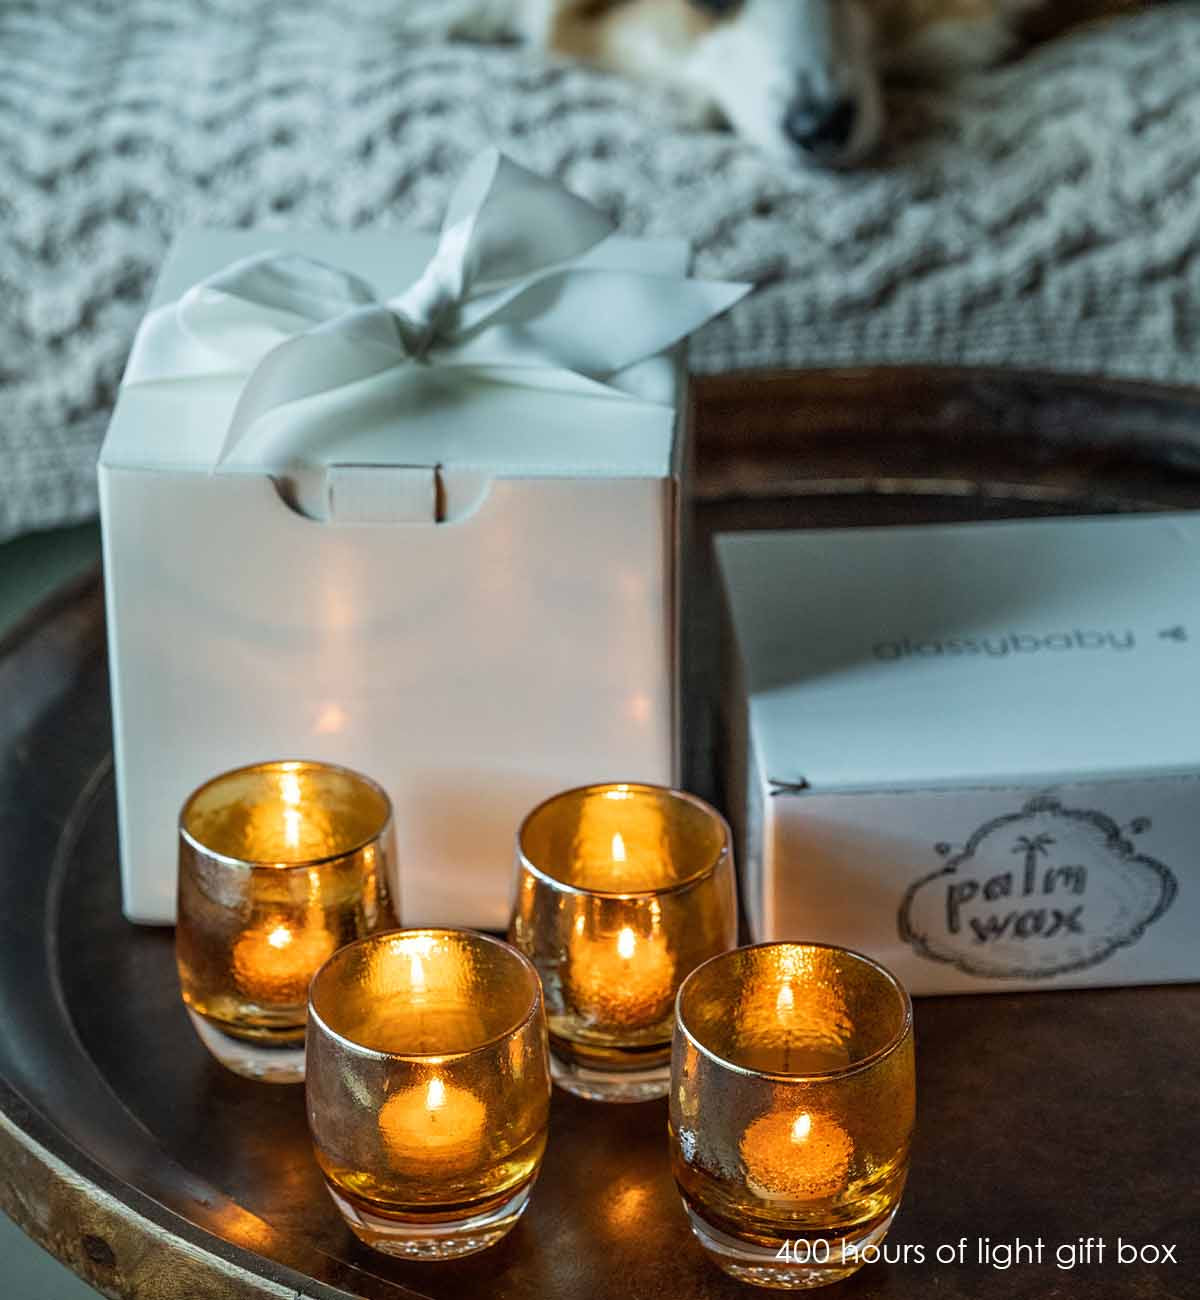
{"x": 972, "y": 751}
{"x": 427, "y": 532}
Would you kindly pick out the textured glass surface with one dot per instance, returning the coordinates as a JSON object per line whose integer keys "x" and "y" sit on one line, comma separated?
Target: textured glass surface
{"x": 792, "y": 1096}
{"x": 280, "y": 864}
{"x": 428, "y": 1082}
{"x": 621, "y": 891}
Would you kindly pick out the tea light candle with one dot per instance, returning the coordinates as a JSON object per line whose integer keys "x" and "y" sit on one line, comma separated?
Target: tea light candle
{"x": 280, "y": 863}
{"x": 793, "y": 1156}
{"x": 626, "y": 980}
{"x": 433, "y": 1127}
{"x": 791, "y": 1109}
{"x": 428, "y": 1088}
{"x": 624, "y": 889}
{"x": 273, "y": 962}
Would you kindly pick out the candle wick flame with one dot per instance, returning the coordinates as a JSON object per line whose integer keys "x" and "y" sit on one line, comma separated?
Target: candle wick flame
{"x": 618, "y": 847}
{"x": 435, "y": 1094}
{"x": 786, "y": 1000}
{"x": 802, "y": 1128}
{"x": 280, "y": 937}
{"x": 626, "y": 943}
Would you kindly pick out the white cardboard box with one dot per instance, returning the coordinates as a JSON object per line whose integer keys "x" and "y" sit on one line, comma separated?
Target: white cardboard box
{"x": 973, "y": 751}
{"x": 473, "y": 666}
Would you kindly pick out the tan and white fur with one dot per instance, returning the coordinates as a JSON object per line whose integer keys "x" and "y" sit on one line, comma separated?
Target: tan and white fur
{"x": 801, "y": 79}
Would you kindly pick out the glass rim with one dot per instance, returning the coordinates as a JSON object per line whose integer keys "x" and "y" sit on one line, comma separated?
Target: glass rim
{"x": 272, "y": 864}
{"x": 841, "y": 1072}
{"x": 313, "y": 1016}
{"x": 646, "y": 787}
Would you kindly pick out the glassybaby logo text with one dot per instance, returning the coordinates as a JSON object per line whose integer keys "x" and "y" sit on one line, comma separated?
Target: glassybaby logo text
{"x": 999, "y": 1255}
{"x": 1003, "y": 646}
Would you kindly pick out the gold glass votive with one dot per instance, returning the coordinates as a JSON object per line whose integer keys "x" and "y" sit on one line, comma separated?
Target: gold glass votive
{"x": 280, "y": 864}
{"x": 428, "y": 1088}
{"x": 792, "y": 1108}
{"x": 621, "y": 891}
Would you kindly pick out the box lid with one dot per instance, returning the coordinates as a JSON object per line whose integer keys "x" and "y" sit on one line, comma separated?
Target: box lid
{"x": 972, "y": 654}
{"x": 461, "y": 424}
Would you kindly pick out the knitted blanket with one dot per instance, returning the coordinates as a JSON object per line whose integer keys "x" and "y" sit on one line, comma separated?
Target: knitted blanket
{"x": 1043, "y": 214}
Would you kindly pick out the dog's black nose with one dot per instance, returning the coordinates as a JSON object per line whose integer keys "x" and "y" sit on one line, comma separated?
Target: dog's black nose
{"x": 823, "y": 130}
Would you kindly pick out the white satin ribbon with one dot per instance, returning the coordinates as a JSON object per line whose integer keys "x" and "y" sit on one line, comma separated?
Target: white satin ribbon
{"x": 500, "y": 298}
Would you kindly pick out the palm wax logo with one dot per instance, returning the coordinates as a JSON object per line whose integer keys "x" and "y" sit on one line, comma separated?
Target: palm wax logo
{"x": 1038, "y": 892}
{"x": 1008, "y": 644}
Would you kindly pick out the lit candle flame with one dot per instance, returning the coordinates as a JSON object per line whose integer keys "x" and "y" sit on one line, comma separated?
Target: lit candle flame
{"x": 280, "y": 937}
{"x": 618, "y": 847}
{"x": 434, "y": 1129}
{"x": 797, "y": 1158}
{"x": 416, "y": 977}
{"x": 786, "y": 1001}
{"x": 273, "y": 962}
{"x": 624, "y": 980}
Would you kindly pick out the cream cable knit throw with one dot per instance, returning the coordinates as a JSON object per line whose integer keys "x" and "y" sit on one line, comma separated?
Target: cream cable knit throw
{"x": 1045, "y": 214}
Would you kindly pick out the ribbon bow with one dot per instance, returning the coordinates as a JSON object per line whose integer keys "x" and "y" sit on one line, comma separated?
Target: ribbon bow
{"x": 503, "y": 297}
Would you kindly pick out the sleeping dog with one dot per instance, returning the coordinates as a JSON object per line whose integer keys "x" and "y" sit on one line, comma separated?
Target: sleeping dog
{"x": 799, "y": 78}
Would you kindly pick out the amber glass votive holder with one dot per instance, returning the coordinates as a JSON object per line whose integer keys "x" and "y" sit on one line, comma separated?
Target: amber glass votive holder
{"x": 792, "y": 1108}
{"x": 428, "y": 1089}
{"x": 621, "y": 891}
{"x": 280, "y": 864}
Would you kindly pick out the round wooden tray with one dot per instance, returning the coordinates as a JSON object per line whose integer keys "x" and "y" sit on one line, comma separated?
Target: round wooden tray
{"x": 129, "y": 1154}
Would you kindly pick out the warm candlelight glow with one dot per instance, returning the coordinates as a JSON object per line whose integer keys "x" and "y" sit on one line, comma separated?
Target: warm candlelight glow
{"x": 330, "y": 720}
{"x": 623, "y": 889}
{"x": 418, "y": 949}
{"x": 799, "y": 1025}
{"x": 640, "y": 708}
{"x": 280, "y": 863}
{"x": 437, "y": 1128}
{"x": 622, "y": 981}
{"x": 791, "y": 1109}
{"x": 273, "y": 962}
{"x": 792, "y": 1157}
{"x": 289, "y": 792}
{"x": 428, "y": 1088}
{"x": 289, "y": 788}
